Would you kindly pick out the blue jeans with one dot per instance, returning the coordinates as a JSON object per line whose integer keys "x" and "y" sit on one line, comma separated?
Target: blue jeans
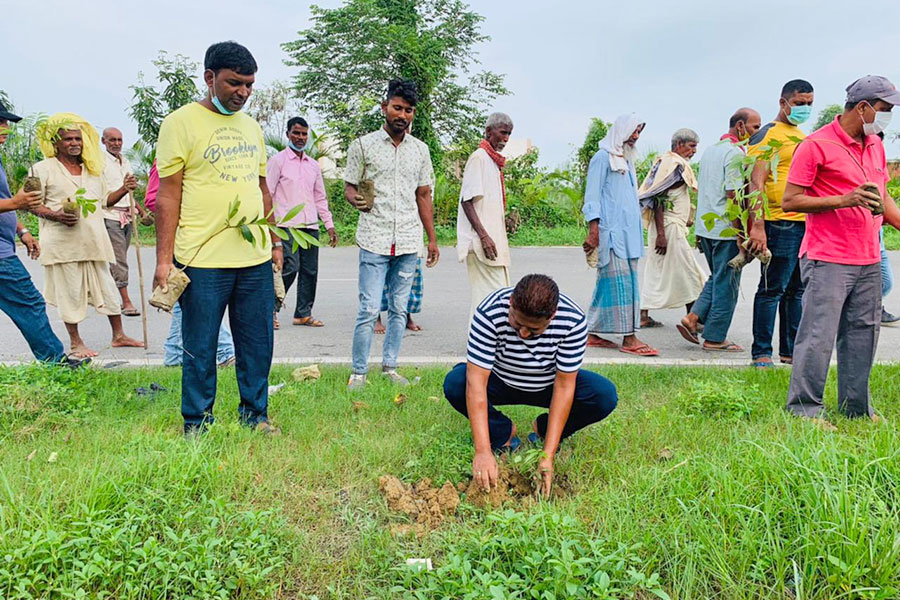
{"x": 174, "y": 350}
{"x": 780, "y": 290}
{"x": 376, "y": 270}
{"x": 715, "y": 306}
{"x": 25, "y": 306}
{"x": 249, "y": 295}
{"x": 595, "y": 398}
{"x": 887, "y": 275}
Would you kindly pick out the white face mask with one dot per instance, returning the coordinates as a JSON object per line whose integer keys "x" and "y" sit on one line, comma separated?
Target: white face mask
{"x": 879, "y": 125}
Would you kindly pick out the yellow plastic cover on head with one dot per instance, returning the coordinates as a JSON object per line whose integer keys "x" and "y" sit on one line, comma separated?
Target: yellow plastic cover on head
{"x": 91, "y": 156}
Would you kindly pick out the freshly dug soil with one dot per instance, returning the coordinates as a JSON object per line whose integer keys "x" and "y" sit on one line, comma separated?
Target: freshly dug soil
{"x": 425, "y": 505}
{"x": 511, "y": 485}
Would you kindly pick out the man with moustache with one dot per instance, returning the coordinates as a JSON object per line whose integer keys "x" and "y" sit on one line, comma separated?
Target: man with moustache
{"x": 481, "y": 217}
{"x": 389, "y": 233}
{"x": 209, "y": 155}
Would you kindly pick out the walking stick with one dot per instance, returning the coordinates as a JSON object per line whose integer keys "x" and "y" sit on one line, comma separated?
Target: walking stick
{"x": 137, "y": 246}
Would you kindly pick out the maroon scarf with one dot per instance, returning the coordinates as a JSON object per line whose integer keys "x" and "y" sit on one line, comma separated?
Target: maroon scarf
{"x": 500, "y": 161}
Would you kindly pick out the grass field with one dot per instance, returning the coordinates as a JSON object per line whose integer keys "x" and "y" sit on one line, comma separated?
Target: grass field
{"x": 697, "y": 486}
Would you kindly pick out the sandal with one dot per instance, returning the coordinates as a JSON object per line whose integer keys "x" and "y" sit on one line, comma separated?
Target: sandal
{"x": 642, "y": 350}
{"x": 131, "y": 312}
{"x": 726, "y": 346}
{"x": 650, "y": 323}
{"x": 786, "y": 360}
{"x": 511, "y": 447}
{"x": 763, "y": 364}
{"x": 308, "y": 322}
{"x": 687, "y": 334}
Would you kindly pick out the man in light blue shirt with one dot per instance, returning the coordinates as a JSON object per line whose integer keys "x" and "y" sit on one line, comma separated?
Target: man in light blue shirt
{"x": 720, "y": 176}
{"x": 615, "y": 233}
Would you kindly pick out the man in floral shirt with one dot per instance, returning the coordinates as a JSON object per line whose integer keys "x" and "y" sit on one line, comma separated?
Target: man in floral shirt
{"x": 389, "y": 233}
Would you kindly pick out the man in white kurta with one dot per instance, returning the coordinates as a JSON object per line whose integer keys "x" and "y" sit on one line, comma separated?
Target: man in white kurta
{"x": 672, "y": 275}
{"x": 481, "y": 221}
{"x": 76, "y": 248}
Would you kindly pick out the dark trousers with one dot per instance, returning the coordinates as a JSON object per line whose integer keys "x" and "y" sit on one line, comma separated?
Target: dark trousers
{"x": 302, "y": 265}
{"x": 249, "y": 295}
{"x": 26, "y": 307}
{"x": 780, "y": 290}
{"x": 595, "y": 398}
{"x": 715, "y": 306}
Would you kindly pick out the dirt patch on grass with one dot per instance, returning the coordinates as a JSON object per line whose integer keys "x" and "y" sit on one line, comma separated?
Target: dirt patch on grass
{"x": 510, "y": 486}
{"x": 425, "y": 505}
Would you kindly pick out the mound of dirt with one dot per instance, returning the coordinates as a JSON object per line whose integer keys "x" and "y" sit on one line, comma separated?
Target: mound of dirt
{"x": 425, "y": 505}
{"x": 511, "y": 485}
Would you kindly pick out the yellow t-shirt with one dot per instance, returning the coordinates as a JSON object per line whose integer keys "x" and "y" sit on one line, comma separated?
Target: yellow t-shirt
{"x": 223, "y": 158}
{"x": 777, "y": 180}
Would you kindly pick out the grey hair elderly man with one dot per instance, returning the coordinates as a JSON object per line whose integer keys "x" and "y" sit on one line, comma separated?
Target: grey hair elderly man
{"x": 481, "y": 235}
{"x": 672, "y": 276}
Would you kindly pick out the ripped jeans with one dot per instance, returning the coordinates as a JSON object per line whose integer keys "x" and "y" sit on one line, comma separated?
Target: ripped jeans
{"x": 375, "y": 270}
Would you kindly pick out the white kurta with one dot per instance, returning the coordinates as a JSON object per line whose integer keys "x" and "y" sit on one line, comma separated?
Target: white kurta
{"x": 673, "y": 279}
{"x": 482, "y": 186}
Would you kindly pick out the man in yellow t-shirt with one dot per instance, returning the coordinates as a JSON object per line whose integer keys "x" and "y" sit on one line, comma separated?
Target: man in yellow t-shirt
{"x": 780, "y": 288}
{"x": 210, "y": 154}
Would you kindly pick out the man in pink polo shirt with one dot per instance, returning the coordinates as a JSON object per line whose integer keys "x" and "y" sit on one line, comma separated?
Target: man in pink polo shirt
{"x": 295, "y": 178}
{"x": 840, "y": 253}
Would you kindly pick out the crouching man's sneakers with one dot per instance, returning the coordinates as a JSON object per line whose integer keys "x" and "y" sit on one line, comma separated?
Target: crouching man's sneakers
{"x": 357, "y": 381}
{"x": 889, "y": 320}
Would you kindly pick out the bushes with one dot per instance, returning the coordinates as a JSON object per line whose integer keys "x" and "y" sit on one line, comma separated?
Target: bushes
{"x": 532, "y": 555}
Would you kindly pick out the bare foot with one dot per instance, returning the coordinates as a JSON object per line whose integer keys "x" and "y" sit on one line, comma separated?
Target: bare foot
{"x": 595, "y": 341}
{"x": 82, "y": 351}
{"x": 511, "y": 436}
{"x": 379, "y": 327}
{"x": 412, "y": 325}
{"x": 123, "y": 341}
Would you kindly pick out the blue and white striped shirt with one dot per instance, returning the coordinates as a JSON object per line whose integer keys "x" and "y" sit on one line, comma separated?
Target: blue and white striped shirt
{"x": 528, "y": 365}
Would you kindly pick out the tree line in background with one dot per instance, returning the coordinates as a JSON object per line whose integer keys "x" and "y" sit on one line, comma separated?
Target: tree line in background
{"x": 344, "y": 60}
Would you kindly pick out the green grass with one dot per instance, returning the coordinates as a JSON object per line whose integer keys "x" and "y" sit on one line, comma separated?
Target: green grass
{"x": 698, "y": 486}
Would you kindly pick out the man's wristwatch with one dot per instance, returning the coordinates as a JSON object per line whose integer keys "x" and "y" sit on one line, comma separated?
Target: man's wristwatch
{"x": 276, "y": 245}
{"x": 22, "y": 232}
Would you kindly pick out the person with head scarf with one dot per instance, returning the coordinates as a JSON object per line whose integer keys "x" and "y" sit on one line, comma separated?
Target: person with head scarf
{"x": 616, "y": 239}
{"x": 672, "y": 275}
{"x": 76, "y": 248}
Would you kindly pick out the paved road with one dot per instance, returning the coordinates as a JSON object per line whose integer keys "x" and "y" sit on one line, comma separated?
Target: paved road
{"x": 443, "y": 316}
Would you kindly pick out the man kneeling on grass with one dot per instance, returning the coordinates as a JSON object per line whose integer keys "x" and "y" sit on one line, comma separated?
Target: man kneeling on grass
{"x": 526, "y": 346}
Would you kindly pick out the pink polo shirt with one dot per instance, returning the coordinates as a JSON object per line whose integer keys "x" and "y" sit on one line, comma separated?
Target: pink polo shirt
{"x": 831, "y": 163}
{"x": 293, "y": 180}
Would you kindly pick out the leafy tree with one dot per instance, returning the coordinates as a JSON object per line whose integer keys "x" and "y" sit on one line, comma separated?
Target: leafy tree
{"x": 350, "y": 53}
{"x": 827, "y": 115}
{"x": 596, "y": 132}
{"x": 151, "y": 105}
{"x": 21, "y": 148}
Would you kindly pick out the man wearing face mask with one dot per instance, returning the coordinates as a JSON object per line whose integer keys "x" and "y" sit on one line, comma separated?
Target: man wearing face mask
{"x": 780, "y": 289}
{"x": 209, "y": 155}
{"x": 838, "y": 179}
{"x": 294, "y": 178}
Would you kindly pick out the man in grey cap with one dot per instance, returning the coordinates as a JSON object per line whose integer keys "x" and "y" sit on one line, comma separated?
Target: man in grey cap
{"x": 838, "y": 178}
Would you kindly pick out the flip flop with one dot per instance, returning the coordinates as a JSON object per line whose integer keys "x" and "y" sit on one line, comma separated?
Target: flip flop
{"x": 725, "y": 347}
{"x": 687, "y": 334}
{"x": 415, "y": 327}
{"x": 514, "y": 444}
{"x": 131, "y": 312}
{"x": 786, "y": 360}
{"x": 762, "y": 364}
{"x": 602, "y": 344}
{"x": 651, "y": 323}
{"x": 642, "y": 350}
{"x": 308, "y": 322}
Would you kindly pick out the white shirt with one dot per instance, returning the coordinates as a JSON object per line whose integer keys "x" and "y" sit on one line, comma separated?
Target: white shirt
{"x": 393, "y": 222}
{"x": 481, "y": 177}
{"x": 114, "y": 174}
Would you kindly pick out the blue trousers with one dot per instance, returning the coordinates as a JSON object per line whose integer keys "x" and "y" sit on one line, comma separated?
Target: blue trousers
{"x": 716, "y": 303}
{"x": 887, "y": 275}
{"x": 21, "y": 301}
{"x": 249, "y": 295}
{"x": 595, "y": 398}
{"x": 375, "y": 272}
{"x": 780, "y": 290}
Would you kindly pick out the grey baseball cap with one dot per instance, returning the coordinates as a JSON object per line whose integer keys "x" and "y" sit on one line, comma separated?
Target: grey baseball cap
{"x": 873, "y": 87}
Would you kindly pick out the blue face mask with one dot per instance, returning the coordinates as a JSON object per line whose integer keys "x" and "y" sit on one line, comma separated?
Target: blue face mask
{"x": 218, "y": 105}
{"x": 295, "y": 148}
{"x": 800, "y": 114}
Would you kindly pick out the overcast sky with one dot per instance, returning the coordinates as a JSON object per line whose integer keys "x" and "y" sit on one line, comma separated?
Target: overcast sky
{"x": 684, "y": 64}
